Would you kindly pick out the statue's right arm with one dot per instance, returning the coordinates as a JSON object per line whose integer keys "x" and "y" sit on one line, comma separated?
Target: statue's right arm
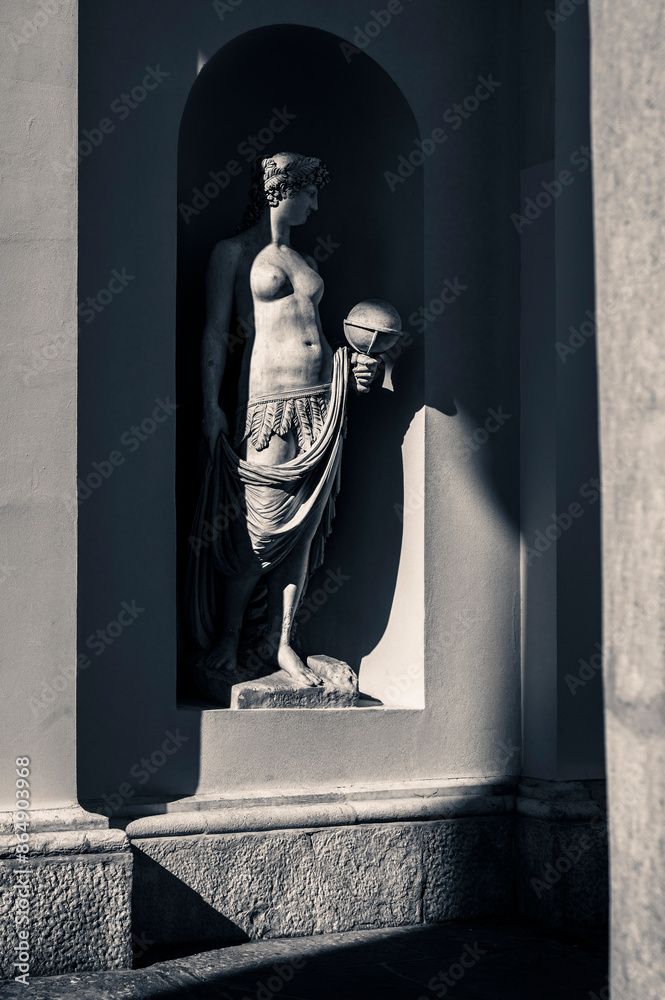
{"x": 220, "y": 284}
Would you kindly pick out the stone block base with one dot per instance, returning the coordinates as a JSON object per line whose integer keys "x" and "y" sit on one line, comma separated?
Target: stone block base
{"x": 226, "y": 888}
{"x": 279, "y": 690}
{"x": 78, "y": 903}
{"x": 213, "y": 874}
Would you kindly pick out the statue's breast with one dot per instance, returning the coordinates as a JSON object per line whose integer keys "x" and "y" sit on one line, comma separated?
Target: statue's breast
{"x": 269, "y": 282}
{"x": 308, "y": 282}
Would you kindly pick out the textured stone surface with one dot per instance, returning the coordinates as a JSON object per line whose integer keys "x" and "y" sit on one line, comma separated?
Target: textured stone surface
{"x": 278, "y": 690}
{"x": 220, "y": 888}
{"x": 562, "y": 875}
{"x": 628, "y": 89}
{"x": 503, "y": 961}
{"x": 469, "y": 868}
{"x": 80, "y": 914}
{"x": 225, "y": 888}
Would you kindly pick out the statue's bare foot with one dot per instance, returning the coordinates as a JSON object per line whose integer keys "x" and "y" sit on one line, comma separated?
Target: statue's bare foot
{"x": 289, "y": 661}
{"x": 220, "y": 661}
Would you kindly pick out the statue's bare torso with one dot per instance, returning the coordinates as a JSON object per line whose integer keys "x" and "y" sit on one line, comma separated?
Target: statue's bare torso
{"x": 275, "y": 293}
{"x": 289, "y": 349}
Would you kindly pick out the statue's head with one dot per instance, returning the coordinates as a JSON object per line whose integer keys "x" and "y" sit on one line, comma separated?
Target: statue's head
{"x": 286, "y": 182}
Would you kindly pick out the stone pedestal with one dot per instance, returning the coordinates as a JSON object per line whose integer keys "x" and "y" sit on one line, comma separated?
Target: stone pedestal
{"x": 278, "y": 689}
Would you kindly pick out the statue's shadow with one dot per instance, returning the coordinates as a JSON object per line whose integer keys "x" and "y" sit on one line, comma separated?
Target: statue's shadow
{"x": 349, "y": 599}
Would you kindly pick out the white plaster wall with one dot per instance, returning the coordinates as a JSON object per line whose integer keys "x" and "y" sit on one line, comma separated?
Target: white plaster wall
{"x": 394, "y": 671}
{"x": 38, "y": 215}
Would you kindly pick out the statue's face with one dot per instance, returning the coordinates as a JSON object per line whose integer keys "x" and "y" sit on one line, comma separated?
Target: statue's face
{"x": 296, "y": 208}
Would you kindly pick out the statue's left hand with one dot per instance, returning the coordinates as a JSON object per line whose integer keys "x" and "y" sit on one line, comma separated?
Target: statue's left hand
{"x": 363, "y": 371}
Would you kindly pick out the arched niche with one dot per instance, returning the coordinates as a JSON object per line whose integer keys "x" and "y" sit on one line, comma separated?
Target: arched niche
{"x": 301, "y": 89}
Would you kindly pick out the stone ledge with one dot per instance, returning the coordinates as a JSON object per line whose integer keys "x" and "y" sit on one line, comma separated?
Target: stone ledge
{"x": 290, "y": 817}
{"x": 585, "y": 789}
{"x": 561, "y": 800}
{"x": 417, "y": 790}
{"x": 67, "y": 843}
{"x": 563, "y": 811}
{"x": 73, "y": 817}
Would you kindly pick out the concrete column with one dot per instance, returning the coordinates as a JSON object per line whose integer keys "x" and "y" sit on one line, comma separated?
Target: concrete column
{"x": 628, "y": 89}
{"x": 38, "y": 248}
{"x": 71, "y": 868}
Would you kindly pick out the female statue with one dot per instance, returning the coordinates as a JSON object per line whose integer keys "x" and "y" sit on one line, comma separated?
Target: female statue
{"x": 268, "y": 494}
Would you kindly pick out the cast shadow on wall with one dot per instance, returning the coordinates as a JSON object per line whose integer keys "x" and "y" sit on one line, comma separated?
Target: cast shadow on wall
{"x": 291, "y": 88}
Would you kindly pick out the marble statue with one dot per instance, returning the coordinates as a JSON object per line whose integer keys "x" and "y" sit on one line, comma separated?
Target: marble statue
{"x": 273, "y": 472}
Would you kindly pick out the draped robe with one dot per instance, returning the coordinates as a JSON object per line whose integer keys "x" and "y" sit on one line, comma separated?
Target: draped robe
{"x": 249, "y": 517}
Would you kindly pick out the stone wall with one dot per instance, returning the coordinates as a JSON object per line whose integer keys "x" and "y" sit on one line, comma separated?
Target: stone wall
{"x": 628, "y": 88}
{"x": 221, "y": 889}
{"x": 78, "y": 889}
{"x": 205, "y": 872}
